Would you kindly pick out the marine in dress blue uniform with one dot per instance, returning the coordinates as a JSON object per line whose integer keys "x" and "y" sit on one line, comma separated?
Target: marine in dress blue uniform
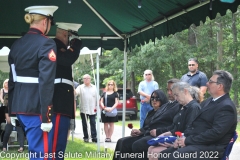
{"x": 63, "y": 99}
{"x": 32, "y": 61}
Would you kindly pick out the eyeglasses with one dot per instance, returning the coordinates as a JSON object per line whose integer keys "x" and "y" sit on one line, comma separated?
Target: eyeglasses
{"x": 147, "y": 74}
{"x": 155, "y": 98}
{"x": 210, "y": 81}
{"x": 191, "y": 64}
{"x": 86, "y": 78}
{"x": 110, "y": 84}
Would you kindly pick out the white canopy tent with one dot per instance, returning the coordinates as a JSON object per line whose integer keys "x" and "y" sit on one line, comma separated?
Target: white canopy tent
{"x": 4, "y": 67}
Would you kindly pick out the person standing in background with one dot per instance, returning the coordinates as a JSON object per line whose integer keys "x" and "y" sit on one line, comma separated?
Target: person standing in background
{"x": 87, "y": 94}
{"x": 108, "y": 106}
{"x": 195, "y": 77}
{"x": 63, "y": 98}
{"x": 145, "y": 90}
{"x": 32, "y": 62}
{"x": 3, "y": 91}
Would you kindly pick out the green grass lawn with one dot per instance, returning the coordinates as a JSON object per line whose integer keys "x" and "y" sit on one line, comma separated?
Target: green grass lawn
{"x": 76, "y": 149}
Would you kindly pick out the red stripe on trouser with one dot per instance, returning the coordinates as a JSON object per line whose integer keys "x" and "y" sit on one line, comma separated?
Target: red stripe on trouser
{"x": 55, "y": 136}
{"x": 45, "y": 143}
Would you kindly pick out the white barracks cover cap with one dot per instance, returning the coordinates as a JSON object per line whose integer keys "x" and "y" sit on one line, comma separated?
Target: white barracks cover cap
{"x": 43, "y": 10}
{"x": 69, "y": 26}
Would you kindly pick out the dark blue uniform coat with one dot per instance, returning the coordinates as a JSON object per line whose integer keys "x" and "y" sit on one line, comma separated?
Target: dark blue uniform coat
{"x": 63, "y": 99}
{"x": 32, "y": 60}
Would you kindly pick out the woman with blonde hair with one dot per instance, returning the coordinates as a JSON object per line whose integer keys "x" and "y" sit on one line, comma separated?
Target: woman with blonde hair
{"x": 4, "y": 91}
{"x": 108, "y": 102}
{"x": 32, "y": 62}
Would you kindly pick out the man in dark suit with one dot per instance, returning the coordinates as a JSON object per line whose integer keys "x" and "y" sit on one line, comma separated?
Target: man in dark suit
{"x": 161, "y": 119}
{"x": 212, "y": 129}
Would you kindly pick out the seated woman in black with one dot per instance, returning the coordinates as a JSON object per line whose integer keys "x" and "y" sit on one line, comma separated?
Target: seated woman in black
{"x": 158, "y": 98}
{"x": 12, "y": 125}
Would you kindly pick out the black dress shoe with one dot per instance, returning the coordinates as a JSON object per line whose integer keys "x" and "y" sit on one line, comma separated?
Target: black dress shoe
{"x": 94, "y": 140}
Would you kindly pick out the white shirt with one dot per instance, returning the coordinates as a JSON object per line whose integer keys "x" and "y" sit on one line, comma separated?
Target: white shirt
{"x": 214, "y": 99}
{"x": 87, "y": 98}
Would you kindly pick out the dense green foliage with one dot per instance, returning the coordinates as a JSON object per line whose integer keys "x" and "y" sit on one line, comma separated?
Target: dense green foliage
{"x": 215, "y": 44}
{"x": 3, "y": 76}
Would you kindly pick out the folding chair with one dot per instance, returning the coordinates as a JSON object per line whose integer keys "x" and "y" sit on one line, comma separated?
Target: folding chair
{"x": 229, "y": 147}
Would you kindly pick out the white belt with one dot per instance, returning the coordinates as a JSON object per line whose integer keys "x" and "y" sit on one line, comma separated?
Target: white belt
{"x": 26, "y": 79}
{"x": 62, "y": 80}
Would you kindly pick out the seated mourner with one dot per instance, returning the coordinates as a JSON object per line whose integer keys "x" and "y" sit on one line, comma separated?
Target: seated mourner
{"x": 12, "y": 125}
{"x": 212, "y": 129}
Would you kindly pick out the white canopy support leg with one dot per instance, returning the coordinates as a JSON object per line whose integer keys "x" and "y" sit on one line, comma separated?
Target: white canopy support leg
{"x": 96, "y": 81}
{"x": 124, "y": 87}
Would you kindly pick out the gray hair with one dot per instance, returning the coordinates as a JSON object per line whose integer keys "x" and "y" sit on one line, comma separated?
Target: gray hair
{"x": 225, "y": 78}
{"x": 87, "y": 75}
{"x": 173, "y": 80}
{"x": 193, "y": 91}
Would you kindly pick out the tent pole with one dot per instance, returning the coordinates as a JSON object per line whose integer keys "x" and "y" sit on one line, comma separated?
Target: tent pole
{"x": 98, "y": 106}
{"x": 124, "y": 87}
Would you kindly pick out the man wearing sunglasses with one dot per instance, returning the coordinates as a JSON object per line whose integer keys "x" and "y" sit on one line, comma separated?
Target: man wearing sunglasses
{"x": 145, "y": 90}
{"x": 195, "y": 77}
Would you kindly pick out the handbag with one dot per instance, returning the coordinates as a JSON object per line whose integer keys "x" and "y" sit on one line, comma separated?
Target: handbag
{"x": 161, "y": 139}
{"x": 113, "y": 113}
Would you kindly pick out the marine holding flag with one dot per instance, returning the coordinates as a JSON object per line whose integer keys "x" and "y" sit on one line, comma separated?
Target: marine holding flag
{"x": 32, "y": 62}
{"x": 63, "y": 98}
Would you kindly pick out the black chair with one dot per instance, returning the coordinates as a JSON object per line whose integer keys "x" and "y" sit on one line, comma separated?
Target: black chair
{"x": 2, "y": 120}
{"x": 229, "y": 147}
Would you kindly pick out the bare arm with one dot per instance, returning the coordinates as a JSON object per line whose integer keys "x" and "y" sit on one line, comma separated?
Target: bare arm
{"x": 144, "y": 94}
{"x": 101, "y": 103}
{"x": 1, "y": 95}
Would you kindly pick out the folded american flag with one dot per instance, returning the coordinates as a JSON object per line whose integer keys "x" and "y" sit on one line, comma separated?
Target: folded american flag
{"x": 161, "y": 139}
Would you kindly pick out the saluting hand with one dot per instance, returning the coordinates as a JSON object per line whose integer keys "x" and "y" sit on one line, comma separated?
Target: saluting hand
{"x": 76, "y": 44}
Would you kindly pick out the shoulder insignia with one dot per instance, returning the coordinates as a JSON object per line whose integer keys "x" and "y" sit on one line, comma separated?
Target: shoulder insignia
{"x": 52, "y": 55}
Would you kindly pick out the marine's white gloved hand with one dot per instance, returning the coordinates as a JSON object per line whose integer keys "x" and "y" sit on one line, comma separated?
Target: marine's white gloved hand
{"x": 46, "y": 127}
{"x": 13, "y": 121}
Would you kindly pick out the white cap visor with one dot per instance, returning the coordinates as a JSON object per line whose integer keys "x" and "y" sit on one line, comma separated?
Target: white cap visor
{"x": 43, "y": 10}
{"x": 69, "y": 26}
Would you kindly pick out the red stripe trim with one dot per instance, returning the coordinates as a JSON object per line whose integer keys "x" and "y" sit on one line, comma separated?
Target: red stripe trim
{"x": 55, "y": 136}
{"x": 45, "y": 143}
